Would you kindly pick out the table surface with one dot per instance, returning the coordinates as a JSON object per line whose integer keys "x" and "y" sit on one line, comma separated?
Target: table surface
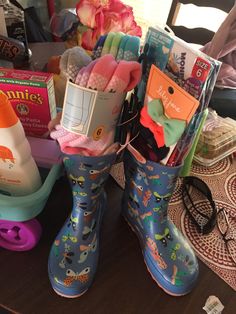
{"x": 122, "y": 283}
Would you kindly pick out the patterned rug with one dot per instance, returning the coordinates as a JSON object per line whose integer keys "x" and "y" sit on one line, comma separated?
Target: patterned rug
{"x": 211, "y": 249}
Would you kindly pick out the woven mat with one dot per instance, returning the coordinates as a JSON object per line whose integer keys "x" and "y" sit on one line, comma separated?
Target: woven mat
{"x": 210, "y": 249}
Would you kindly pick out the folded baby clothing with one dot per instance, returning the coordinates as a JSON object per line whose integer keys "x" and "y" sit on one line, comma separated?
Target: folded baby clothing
{"x": 71, "y": 143}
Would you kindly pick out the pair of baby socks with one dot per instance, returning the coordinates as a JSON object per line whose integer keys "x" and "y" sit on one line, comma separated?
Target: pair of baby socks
{"x": 121, "y": 46}
{"x": 72, "y": 60}
{"x": 106, "y": 74}
{"x": 103, "y": 74}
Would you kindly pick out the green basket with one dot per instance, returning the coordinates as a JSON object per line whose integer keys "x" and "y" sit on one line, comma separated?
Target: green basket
{"x": 23, "y": 208}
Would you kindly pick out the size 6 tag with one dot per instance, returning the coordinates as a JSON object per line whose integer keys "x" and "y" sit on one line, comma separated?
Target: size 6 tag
{"x": 98, "y": 133}
{"x": 201, "y": 69}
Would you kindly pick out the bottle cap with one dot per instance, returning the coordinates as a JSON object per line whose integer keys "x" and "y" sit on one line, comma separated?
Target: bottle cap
{"x": 8, "y": 116}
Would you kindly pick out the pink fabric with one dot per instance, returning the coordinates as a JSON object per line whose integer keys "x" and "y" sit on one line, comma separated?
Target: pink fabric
{"x": 72, "y": 143}
{"x": 102, "y": 72}
{"x": 223, "y": 48}
{"x": 125, "y": 78}
{"x": 84, "y": 74}
{"x": 54, "y": 122}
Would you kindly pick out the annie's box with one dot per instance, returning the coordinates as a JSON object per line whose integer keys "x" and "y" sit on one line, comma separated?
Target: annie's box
{"x": 32, "y": 97}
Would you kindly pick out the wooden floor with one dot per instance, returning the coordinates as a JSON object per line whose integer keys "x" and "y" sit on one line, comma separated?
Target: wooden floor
{"x": 122, "y": 284}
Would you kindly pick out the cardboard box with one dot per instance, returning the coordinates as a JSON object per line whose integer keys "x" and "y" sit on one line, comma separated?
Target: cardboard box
{"x": 32, "y": 97}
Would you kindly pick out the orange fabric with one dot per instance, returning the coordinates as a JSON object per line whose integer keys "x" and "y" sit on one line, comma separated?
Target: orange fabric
{"x": 157, "y": 130}
{"x": 8, "y": 116}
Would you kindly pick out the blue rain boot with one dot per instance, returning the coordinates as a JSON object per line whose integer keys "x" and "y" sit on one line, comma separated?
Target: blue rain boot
{"x": 168, "y": 256}
{"x": 74, "y": 254}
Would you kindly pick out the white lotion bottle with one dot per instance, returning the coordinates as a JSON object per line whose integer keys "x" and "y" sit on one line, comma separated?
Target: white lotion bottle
{"x": 19, "y": 174}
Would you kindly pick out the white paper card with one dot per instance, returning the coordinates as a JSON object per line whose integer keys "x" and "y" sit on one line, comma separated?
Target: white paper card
{"x": 89, "y": 112}
{"x": 213, "y": 305}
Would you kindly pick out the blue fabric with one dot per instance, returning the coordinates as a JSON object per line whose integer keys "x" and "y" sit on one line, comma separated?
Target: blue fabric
{"x": 74, "y": 254}
{"x": 132, "y": 49}
{"x": 167, "y": 254}
{"x": 97, "y": 51}
{"x": 120, "y": 53}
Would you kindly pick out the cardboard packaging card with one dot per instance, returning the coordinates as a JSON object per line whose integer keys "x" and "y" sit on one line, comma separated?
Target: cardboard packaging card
{"x": 187, "y": 69}
{"x": 191, "y": 69}
{"x": 177, "y": 103}
{"x": 89, "y": 112}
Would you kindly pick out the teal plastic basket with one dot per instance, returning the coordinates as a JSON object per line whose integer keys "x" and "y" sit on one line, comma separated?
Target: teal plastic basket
{"x": 23, "y": 208}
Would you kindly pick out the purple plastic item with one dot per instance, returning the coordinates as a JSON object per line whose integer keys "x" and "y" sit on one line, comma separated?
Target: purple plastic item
{"x": 19, "y": 236}
{"x": 46, "y": 152}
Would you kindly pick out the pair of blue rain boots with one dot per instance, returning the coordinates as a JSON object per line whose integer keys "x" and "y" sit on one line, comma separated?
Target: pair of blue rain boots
{"x": 167, "y": 254}
{"x": 74, "y": 254}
